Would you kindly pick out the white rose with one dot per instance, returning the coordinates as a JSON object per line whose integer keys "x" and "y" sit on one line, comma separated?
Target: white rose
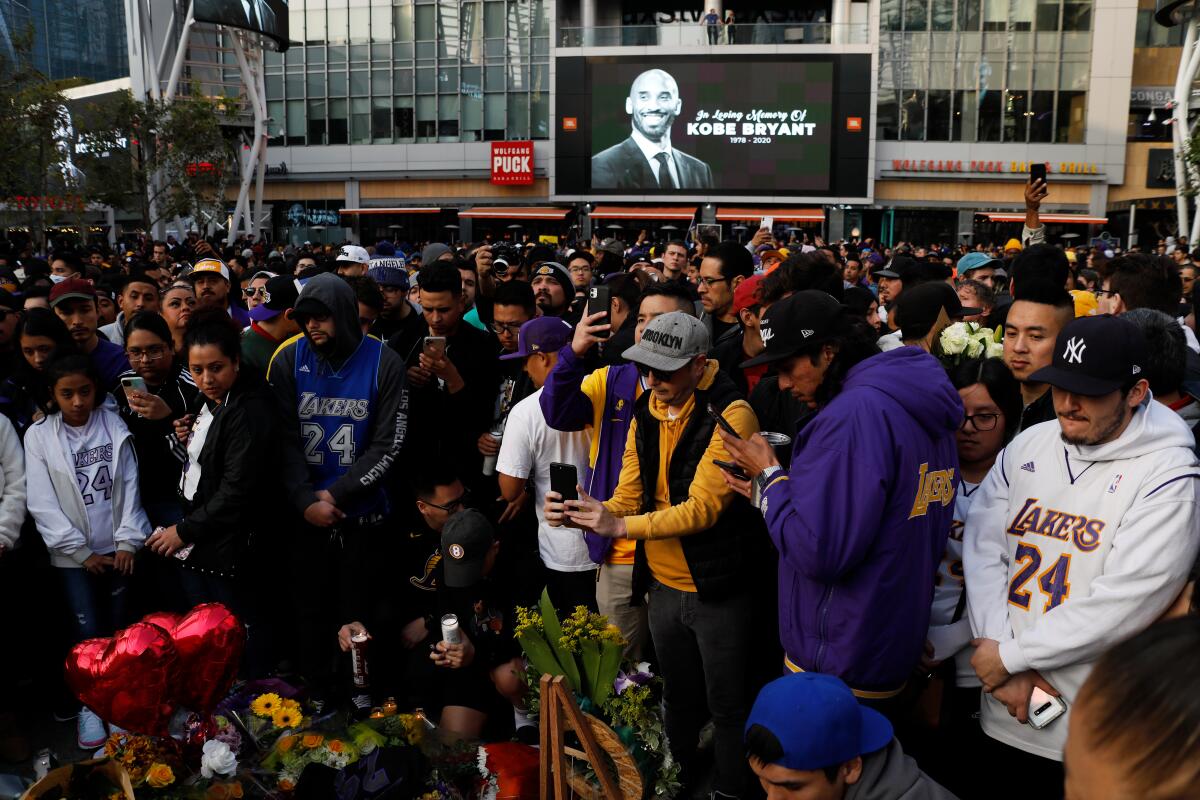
{"x": 217, "y": 759}
{"x": 974, "y": 348}
{"x": 995, "y": 349}
{"x": 954, "y": 339}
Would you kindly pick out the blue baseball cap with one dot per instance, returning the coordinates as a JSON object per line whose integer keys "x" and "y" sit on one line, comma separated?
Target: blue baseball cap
{"x": 818, "y": 721}
{"x": 389, "y": 272}
{"x": 541, "y": 335}
{"x": 973, "y": 261}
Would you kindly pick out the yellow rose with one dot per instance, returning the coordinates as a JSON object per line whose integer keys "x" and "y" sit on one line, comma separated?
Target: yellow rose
{"x": 160, "y": 776}
{"x": 312, "y": 740}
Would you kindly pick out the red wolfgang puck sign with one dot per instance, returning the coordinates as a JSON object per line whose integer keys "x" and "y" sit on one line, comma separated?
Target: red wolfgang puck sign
{"x": 512, "y": 162}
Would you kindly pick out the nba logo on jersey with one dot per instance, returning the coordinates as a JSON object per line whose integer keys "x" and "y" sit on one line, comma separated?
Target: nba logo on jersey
{"x": 1112, "y": 487}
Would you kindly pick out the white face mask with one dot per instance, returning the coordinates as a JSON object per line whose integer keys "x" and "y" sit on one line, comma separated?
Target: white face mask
{"x": 57, "y": 278}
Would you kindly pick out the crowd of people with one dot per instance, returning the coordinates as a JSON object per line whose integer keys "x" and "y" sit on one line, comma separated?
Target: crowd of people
{"x": 956, "y": 543}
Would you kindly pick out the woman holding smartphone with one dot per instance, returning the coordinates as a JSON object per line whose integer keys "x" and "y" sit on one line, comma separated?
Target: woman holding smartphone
{"x": 150, "y": 397}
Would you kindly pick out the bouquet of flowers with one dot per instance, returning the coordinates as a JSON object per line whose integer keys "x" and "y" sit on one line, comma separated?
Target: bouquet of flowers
{"x": 156, "y": 767}
{"x": 965, "y": 340}
{"x": 587, "y": 651}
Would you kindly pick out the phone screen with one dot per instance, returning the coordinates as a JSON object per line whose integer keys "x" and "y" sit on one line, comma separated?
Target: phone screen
{"x": 1037, "y": 172}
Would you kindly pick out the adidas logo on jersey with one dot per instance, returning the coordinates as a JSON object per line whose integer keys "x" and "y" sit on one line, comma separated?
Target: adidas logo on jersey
{"x": 1028, "y": 466}
{"x": 304, "y": 368}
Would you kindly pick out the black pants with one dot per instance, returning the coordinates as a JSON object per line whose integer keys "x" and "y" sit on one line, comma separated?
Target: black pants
{"x": 570, "y": 589}
{"x": 703, "y": 648}
{"x": 1023, "y": 774}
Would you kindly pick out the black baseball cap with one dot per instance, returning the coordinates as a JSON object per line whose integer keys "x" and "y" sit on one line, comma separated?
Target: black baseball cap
{"x": 279, "y": 295}
{"x": 901, "y": 267}
{"x": 1095, "y": 356}
{"x": 466, "y": 539}
{"x": 917, "y": 308}
{"x": 791, "y": 323}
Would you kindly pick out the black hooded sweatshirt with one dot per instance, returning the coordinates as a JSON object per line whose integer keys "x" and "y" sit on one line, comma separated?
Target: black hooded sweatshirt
{"x": 388, "y": 414}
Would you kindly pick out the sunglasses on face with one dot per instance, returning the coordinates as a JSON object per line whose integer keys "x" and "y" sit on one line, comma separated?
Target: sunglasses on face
{"x": 250, "y": 292}
{"x": 666, "y": 376}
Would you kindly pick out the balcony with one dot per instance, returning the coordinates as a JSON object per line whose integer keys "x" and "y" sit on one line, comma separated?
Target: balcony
{"x": 698, "y": 35}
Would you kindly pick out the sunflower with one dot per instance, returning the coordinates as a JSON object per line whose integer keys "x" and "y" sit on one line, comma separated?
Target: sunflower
{"x": 286, "y": 718}
{"x": 265, "y": 705}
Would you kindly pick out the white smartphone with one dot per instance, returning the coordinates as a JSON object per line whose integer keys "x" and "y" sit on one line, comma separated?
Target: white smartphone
{"x": 134, "y": 384}
{"x": 768, "y": 223}
{"x": 1044, "y": 709}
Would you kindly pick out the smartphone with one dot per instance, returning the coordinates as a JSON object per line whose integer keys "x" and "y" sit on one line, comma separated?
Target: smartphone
{"x": 716, "y": 415}
{"x": 134, "y": 384}
{"x": 1044, "y": 709}
{"x": 598, "y": 300}
{"x": 434, "y": 347}
{"x": 732, "y": 469}
{"x": 768, "y": 223}
{"x": 1037, "y": 172}
{"x": 563, "y": 479}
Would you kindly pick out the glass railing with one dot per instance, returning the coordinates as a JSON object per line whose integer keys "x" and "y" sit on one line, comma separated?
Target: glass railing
{"x": 700, "y": 35}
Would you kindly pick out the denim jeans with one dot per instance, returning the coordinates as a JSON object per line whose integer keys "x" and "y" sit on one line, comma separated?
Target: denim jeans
{"x": 702, "y": 652}
{"x": 99, "y": 604}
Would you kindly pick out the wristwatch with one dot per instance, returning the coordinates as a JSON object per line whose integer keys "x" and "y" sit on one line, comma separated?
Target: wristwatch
{"x": 761, "y": 482}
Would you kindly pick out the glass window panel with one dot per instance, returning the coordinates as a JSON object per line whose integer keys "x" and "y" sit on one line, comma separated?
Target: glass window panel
{"x": 337, "y": 23}
{"x": 339, "y": 128}
{"x": 447, "y": 35}
{"x": 403, "y": 51}
{"x": 995, "y": 15}
{"x": 943, "y": 45}
{"x": 426, "y": 79}
{"x": 360, "y": 120}
{"x": 1077, "y": 43}
{"x": 296, "y": 124}
{"x": 426, "y": 119}
{"x": 276, "y": 126}
{"x": 360, "y": 21}
{"x": 1041, "y": 119}
{"x": 402, "y": 22}
{"x": 915, "y": 13}
{"x": 965, "y": 114}
{"x": 941, "y": 15}
{"x": 381, "y": 22}
{"x": 941, "y": 74}
{"x": 1047, "y": 15}
{"x": 359, "y": 82}
{"x": 448, "y": 118}
{"x": 338, "y": 86}
{"x": 912, "y": 115}
{"x": 316, "y": 84}
{"x": 314, "y": 55}
{"x": 539, "y": 115}
{"x": 447, "y": 78}
{"x": 1045, "y": 76}
{"x": 381, "y": 119}
{"x": 518, "y": 116}
{"x": 314, "y": 22}
{"x": 493, "y": 116}
{"x": 890, "y": 18}
{"x": 402, "y": 115}
{"x": 493, "y": 19}
{"x": 1021, "y": 15}
{"x": 938, "y": 123}
{"x": 1015, "y": 118}
{"x": 472, "y": 118}
{"x": 1073, "y": 75}
{"x": 360, "y": 53}
{"x": 970, "y": 42}
{"x": 337, "y": 55}
{"x": 426, "y": 50}
{"x": 518, "y": 76}
{"x": 989, "y": 116}
{"x": 402, "y": 81}
{"x": 968, "y": 15}
{"x": 294, "y": 84}
{"x": 1070, "y": 117}
{"x": 316, "y": 122}
{"x": 381, "y": 81}
{"x": 381, "y": 53}
{"x": 425, "y": 20}
{"x": 1077, "y": 16}
{"x": 274, "y": 86}
{"x": 1019, "y": 74}
{"x": 541, "y": 47}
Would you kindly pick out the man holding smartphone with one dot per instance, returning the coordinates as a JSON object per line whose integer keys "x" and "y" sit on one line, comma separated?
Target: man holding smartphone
{"x": 1082, "y": 533}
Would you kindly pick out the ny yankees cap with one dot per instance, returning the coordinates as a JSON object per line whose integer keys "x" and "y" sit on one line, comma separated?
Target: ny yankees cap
{"x": 1095, "y": 356}
{"x": 669, "y": 342}
{"x": 466, "y": 539}
{"x": 818, "y": 721}
{"x": 541, "y": 335}
{"x": 353, "y": 254}
{"x": 794, "y": 321}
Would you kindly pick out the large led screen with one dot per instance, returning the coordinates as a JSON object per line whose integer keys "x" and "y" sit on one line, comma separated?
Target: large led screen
{"x": 710, "y": 125}
{"x": 268, "y": 17}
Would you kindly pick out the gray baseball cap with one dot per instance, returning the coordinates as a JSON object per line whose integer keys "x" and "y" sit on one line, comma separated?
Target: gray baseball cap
{"x": 669, "y": 342}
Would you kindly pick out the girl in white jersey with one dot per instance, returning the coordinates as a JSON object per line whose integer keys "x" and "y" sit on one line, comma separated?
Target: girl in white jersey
{"x": 82, "y": 481}
{"x": 991, "y": 405}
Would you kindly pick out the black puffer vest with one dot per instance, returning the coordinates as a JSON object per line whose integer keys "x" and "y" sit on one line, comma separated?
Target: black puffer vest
{"x": 717, "y": 557}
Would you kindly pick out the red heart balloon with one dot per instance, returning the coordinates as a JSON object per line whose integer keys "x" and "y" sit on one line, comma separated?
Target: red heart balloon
{"x": 163, "y": 619}
{"x": 209, "y": 640}
{"x": 127, "y": 680}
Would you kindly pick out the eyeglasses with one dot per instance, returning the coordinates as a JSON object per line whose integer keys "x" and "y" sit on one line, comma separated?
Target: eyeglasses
{"x": 250, "y": 292}
{"x": 149, "y": 354}
{"x": 666, "y": 376}
{"x": 1102, "y": 292}
{"x": 458, "y": 502}
{"x": 506, "y": 327}
{"x": 711, "y": 281}
{"x": 982, "y": 422}
{"x": 580, "y": 270}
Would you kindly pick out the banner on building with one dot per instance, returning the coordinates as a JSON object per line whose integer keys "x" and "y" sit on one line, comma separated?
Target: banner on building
{"x": 512, "y": 163}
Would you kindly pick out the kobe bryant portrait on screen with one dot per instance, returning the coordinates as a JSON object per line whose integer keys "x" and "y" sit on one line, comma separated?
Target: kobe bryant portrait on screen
{"x": 646, "y": 159}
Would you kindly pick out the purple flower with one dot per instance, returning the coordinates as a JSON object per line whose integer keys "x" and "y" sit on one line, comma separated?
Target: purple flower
{"x": 640, "y": 676}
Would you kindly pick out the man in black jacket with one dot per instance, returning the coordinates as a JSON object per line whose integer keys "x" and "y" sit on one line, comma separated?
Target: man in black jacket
{"x": 344, "y": 415}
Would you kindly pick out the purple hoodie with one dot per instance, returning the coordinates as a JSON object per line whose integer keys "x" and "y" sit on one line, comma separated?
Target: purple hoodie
{"x": 861, "y": 521}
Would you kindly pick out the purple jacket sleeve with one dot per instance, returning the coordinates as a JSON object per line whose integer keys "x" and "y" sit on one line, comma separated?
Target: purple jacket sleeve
{"x": 564, "y": 405}
{"x": 825, "y": 516}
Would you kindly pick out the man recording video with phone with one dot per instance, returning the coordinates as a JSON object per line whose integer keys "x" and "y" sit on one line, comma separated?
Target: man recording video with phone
{"x": 646, "y": 159}
{"x": 693, "y": 538}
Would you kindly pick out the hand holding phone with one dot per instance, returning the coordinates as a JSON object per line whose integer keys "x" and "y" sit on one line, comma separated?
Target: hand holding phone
{"x": 564, "y": 479}
{"x": 1044, "y": 708}
{"x": 599, "y": 301}
{"x": 434, "y": 347}
{"x": 720, "y": 420}
{"x": 732, "y": 469}
{"x": 134, "y": 383}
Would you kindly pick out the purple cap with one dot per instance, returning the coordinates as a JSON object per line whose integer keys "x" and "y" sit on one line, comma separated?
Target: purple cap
{"x": 541, "y": 335}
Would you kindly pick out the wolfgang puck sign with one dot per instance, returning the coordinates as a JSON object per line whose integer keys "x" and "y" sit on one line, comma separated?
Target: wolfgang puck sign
{"x": 512, "y": 162}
